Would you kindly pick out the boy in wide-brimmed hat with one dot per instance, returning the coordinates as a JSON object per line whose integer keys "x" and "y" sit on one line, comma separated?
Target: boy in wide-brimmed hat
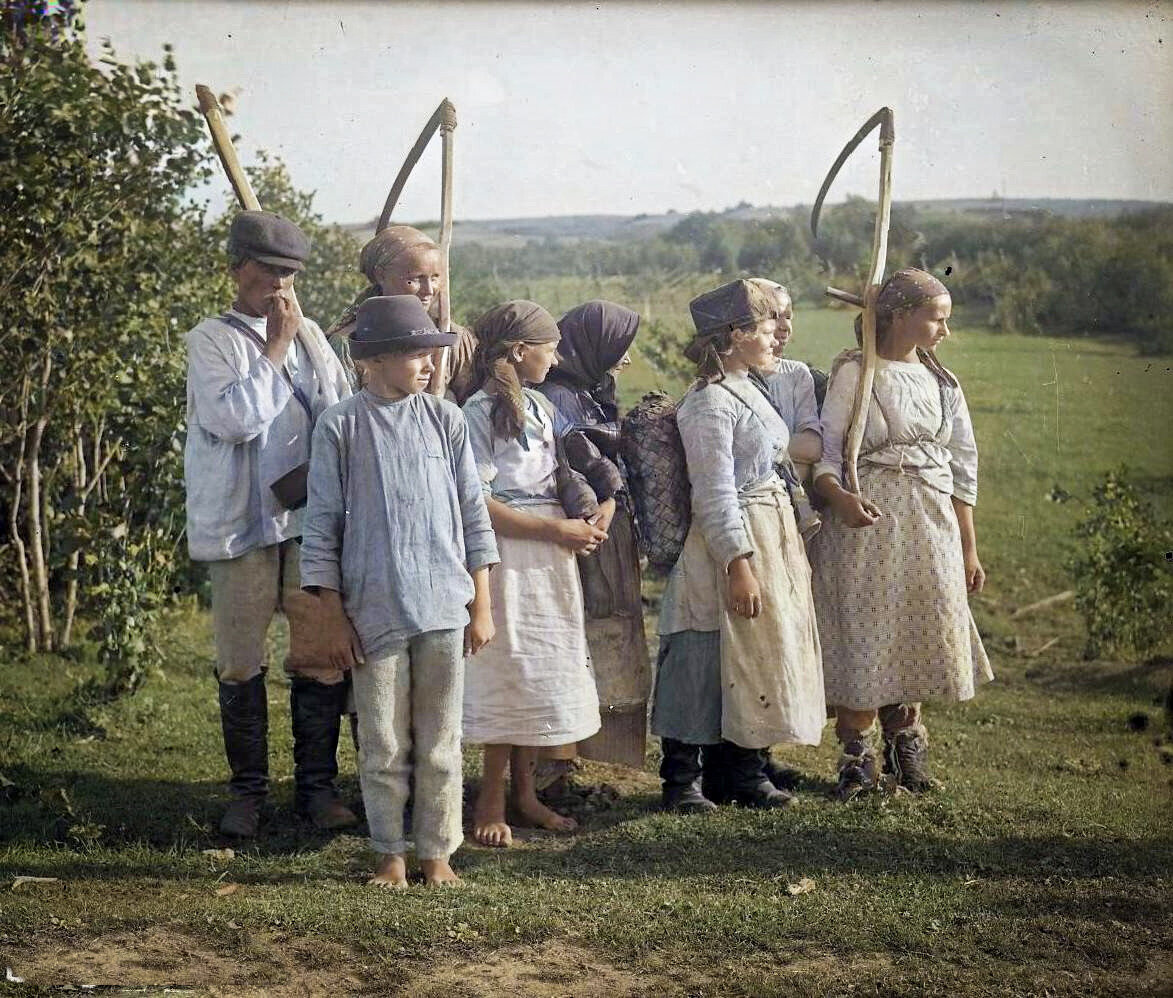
{"x": 398, "y": 545}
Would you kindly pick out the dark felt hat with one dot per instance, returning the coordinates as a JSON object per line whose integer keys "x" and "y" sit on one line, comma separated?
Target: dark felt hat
{"x": 269, "y": 238}
{"x": 738, "y": 303}
{"x": 395, "y": 322}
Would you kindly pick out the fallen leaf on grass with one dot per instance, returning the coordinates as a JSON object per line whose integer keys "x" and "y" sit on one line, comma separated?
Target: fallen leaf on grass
{"x": 11, "y": 978}
{"x": 224, "y": 854}
{"x": 20, "y": 881}
{"x": 226, "y": 890}
{"x": 804, "y": 886}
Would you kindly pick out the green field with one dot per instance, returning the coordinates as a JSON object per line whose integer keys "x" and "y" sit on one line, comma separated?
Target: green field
{"x": 1044, "y": 867}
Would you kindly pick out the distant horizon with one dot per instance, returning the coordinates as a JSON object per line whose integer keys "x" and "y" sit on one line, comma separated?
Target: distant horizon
{"x": 733, "y": 207}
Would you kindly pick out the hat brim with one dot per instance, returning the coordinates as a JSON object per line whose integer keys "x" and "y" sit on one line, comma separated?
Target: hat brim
{"x": 362, "y": 349}
{"x": 278, "y": 261}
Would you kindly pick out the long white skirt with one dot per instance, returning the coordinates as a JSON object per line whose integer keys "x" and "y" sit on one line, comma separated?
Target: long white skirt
{"x": 532, "y": 684}
{"x": 894, "y": 617}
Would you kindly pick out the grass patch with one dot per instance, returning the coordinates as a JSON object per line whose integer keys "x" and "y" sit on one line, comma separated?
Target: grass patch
{"x": 1043, "y": 867}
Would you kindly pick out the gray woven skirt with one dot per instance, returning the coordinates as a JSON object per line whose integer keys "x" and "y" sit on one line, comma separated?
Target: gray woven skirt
{"x": 687, "y": 701}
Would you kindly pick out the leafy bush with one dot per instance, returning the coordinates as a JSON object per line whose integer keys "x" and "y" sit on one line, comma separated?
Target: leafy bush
{"x": 1123, "y": 575}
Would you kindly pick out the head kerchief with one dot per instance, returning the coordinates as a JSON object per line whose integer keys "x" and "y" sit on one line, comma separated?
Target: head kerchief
{"x": 908, "y": 288}
{"x": 378, "y": 254}
{"x": 515, "y": 320}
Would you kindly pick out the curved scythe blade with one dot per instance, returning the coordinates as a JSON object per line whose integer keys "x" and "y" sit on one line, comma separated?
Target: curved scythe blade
{"x": 413, "y": 157}
{"x": 884, "y": 115}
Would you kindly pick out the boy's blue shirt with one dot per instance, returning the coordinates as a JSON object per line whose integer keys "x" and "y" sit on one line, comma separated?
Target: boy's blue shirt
{"x": 396, "y": 519}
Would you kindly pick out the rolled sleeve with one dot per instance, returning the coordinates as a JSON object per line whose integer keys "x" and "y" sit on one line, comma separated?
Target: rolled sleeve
{"x": 963, "y": 455}
{"x": 231, "y": 406}
{"x": 836, "y": 415}
{"x": 706, "y": 429}
{"x": 325, "y": 514}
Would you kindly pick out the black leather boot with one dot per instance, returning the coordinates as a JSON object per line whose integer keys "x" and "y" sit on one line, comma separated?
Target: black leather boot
{"x": 746, "y": 779}
{"x": 714, "y": 779}
{"x": 783, "y": 777}
{"x": 316, "y": 710}
{"x": 680, "y": 771}
{"x": 244, "y": 717}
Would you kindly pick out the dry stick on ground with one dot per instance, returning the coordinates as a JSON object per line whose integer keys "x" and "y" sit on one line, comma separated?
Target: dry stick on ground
{"x": 1042, "y": 604}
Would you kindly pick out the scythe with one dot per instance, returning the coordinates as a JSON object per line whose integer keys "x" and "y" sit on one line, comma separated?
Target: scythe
{"x": 314, "y": 345}
{"x": 444, "y": 119}
{"x": 884, "y": 119}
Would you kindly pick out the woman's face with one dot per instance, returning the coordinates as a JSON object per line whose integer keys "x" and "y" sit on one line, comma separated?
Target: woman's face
{"x": 754, "y": 346}
{"x": 926, "y": 325}
{"x": 624, "y": 361}
{"x": 416, "y": 271}
{"x": 534, "y": 360}
{"x": 785, "y": 328}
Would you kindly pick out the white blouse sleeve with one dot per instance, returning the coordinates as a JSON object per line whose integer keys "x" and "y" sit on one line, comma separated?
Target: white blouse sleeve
{"x": 836, "y": 414}
{"x": 963, "y": 455}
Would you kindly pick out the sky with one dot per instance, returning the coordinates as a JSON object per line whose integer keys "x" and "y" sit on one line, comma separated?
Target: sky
{"x": 623, "y": 108}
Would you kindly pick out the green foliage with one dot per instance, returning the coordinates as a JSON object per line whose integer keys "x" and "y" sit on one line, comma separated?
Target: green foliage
{"x": 103, "y": 258}
{"x": 1123, "y": 574}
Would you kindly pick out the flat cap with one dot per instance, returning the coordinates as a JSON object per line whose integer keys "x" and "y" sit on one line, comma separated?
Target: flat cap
{"x": 394, "y": 322}
{"x": 269, "y": 238}
{"x": 737, "y": 303}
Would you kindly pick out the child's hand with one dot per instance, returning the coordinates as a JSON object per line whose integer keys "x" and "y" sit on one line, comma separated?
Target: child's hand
{"x": 853, "y": 510}
{"x": 745, "y": 595}
{"x": 480, "y": 630}
{"x": 602, "y": 519}
{"x": 578, "y": 535}
{"x": 975, "y": 575}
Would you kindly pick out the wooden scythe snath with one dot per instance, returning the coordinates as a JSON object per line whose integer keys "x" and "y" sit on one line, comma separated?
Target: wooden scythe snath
{"x": 214, "y": 115}
{"x": 863, "y": 390}
{"x": 443, "y": 119}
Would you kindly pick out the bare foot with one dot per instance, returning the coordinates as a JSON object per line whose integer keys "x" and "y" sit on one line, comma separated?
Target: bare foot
{"x": 491, "y": 830}
{"x": 437, "y": 873}
{"x": 536, "y": 814}
{"x": 390, "y": 873}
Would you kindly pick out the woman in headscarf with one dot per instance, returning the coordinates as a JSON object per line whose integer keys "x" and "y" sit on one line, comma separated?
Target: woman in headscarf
{"x": 595, "y": 341}
{"x": 532, "y": 689}
{"x": 891, "y": 570}
{"x": 738, "y": 668}
{"x": 401, "y": 260}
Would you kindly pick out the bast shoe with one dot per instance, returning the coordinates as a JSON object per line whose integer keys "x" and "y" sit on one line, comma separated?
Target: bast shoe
{"x": 857, "y": 770}
{"x": 906, "y": 757}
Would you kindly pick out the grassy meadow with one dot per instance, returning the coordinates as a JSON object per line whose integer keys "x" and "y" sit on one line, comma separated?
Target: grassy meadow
{"x": 1044, "y": 866}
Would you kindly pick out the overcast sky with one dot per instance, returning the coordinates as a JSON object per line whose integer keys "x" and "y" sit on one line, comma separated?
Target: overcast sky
{"x": 624, "y": 108}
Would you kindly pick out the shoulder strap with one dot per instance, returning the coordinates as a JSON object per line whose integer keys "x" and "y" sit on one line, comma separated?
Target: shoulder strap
{"x": 252, "y": 334}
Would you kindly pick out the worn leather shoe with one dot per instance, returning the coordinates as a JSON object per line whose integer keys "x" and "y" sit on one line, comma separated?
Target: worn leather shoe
{"x": 242, "y": 818}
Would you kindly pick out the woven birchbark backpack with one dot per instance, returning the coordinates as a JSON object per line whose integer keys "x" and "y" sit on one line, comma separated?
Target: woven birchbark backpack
{"x": 657, "y": 477}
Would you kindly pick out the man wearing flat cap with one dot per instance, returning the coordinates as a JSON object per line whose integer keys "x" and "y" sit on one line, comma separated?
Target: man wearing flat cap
{"x": 258, "y": 377}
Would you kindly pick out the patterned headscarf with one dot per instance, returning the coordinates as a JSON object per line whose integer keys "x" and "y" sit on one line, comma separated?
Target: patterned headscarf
{"x": 906, "y": 289}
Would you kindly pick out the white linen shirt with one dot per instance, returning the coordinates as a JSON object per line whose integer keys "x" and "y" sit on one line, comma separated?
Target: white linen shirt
{"x": 915, "y": 425}
{"x": 245, "y": 429}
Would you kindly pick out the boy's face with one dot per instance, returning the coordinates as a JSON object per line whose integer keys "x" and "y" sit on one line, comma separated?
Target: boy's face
{"x": 397, "y": 375}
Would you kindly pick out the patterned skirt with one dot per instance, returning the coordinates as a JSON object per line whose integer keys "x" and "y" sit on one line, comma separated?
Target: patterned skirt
{"x": 894, "y": 619}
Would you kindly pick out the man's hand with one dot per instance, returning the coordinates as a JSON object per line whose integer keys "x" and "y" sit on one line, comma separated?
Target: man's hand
{"x": 281, "y": 325}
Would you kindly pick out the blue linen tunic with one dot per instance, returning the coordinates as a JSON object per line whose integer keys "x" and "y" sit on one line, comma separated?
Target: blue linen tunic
{"x": 396, "y": 520}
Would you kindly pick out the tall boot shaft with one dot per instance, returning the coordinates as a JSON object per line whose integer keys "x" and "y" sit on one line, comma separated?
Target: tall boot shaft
{"x": 316, "y": 710}
{"x": 680, "y": 772}
{"x": 244, "y": 718}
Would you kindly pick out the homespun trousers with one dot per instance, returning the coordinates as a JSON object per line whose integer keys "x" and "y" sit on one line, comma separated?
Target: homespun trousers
{"x": 246, "y": 592}
{"x": 410, "y": 701}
